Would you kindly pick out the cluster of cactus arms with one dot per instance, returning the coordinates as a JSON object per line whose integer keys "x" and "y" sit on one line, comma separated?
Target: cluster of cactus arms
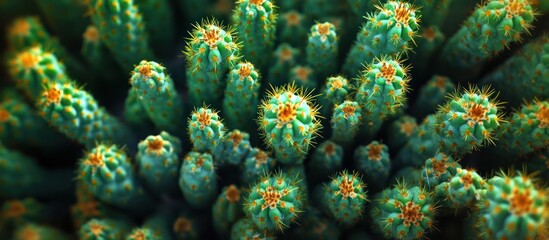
{"x": 274, "y": 119}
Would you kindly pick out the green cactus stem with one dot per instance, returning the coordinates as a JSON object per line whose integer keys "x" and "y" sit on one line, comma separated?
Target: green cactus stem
{"x": 285, "y": 57}
{"x": 303, "y": 77}
{"x": 345, "y": 122}
{"x": 432, "y": 95}
{"x": 241, "y": 96}
{"x": 322, "y": 49}
{"x": 400, "y": 131}
{"x": 106, "y": 228}
{"x": 159, "y": 22}
{"x": 255, "y": 165}
{"x": 197, "y": 179}
{"x": 205, "y": 129}
{"x": 39, "y": 232}
{"x": 335, "y": 90}
{"x": 438, "y": 169}
{"x": 345, "y": 196}
{"x": 326, "y": 159}
{"x": 461, "y": 190}
{"x": 374, "y": 162}
{"x": 233, "y": 148}
{"x": 68, "y": 25}
{"x": 227, "y": 209}
{"x": 246, "y": 229}
{"x": 293, "y": 28}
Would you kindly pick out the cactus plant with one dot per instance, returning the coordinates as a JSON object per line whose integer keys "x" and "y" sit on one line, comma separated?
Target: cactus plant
{"x": 345, "y": 196}
{"x": 335, "y": 90}
{"x": 438, "y": 169}
{"x": 274, "y": 202}
{"x": 233, "y": 148}
{"x": 293, "y": 28}
{"x": 159, "y": 22}
{"x": 40, "y": 232}
{"x": 284, "y": 58}
{"x": 345, "y": 122}
{"x": 374, "y": 163}
{"x": 246, "y": 229}
{"x": 322, "y": 49}
{"x": 432, "y": 95}
{"x": 210, "y": 52}
{"x": 206, "y": 129}
{"x": 255, "y": 165}
{"x": 461, "y": 190}
{"x": 325, "y": 160}
{"x": 227, "y": 209}
{"x": 303, "y": 77}
{"x": 197, "y": 179}
{"x": 400, "y": 131}
{"x": 98, "y": 229}
{"x": 241, "y": 95}
{"x": 288, "y": 122}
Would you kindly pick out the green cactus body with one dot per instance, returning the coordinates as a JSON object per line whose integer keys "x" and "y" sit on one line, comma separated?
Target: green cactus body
{"x": 432, "y": 95}
{"x": 75, "y": 113}
{"x": 206, "y": 129}
{"x": 122, "y": 29}
{"x": 21, "y": 176}
{"x": 159, "y": 223}
{"x": 159, "y": 21}
{"x": 381, "y": 92}
{"x": 512, "y": 207}
{"x": 134, "y": 112}
{"x": 438, "y": 169}
{"x": 158, "y": 162}
{"x": 284, "y": 57}
{"x": 374, "y": 162}
{"x": 108, "y": 173}
{"x": 404, "y": 212}
{"x": 20, "y": 124}
{"x": 241, "y": 96}
{"x": 422, "y": 144}
{"x": 142, "y": 234}
{"x": 489, "y": 30}
{"x": 158, "y": 94}
{"x": 104, "y": 229}
{"x": 87, "y": 206}
{"x": 322, "y": 49}
{"x": 527, "y": 130}
{"x": 233, "y": 148}
{"x": 528, "y": 70}
{"x": 293, "y": 28}
{"x": 303, "y": 77}
{"x": 245, "y": 229}
{"x": 411, "y": 175}
{"x": 33, "y": 68}
{"x": 335, "y": 90}
{"x": 467, "y": 121}
{"x": 461, "y": 190}
{"x": 15, "y": 212}
{"x": 400, "y": 131}
{"x": 227, "y": 209}
{"x": 297, "y": 174}
{"x": 274, "y": 202}
{"x": 431, "y": 40}
{"x": 256, "y": 24}
{"x": 256, "y": 164}
{"x": 325, "y": 160}
{"x": 387, "y": 32}
{"x": 38, "y": 232}
{"x": 288, "y": 121}
{"x": 210, "y": 52}
{"x": 27, "y": 32}
{"x": 345, "y": 197}
{"x": 95, "y": 52}
{"x": 345, "y": 122}
{"x": 67, "y": 24}
{"x": 186, "y": 226}
{"x": 197, "y": 179}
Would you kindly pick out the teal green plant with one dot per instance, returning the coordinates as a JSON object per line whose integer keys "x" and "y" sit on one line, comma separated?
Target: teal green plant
{"x": 430, "y": 42}
{"x": 21, "y": 176}
{"x": 256, "y": 164}
{"x": 527, "y": 69}
{"x": 135, "y": 113}
{"x": 411, "y": 175}
{"x": 95, "y": 52}
{"x": 345, "y": 122}
{"x": 159, "y": 223}
{"x": 345, "y": 197}
{"x": 374, "y": 163}
{"x": 32, "y": 68}
{"x": 404, "y": 212}
{"x": 75, "y": 113}
{"x": 108, "y": 173}
{"x": 283, "y": 59}
{"x": 527, "y": 130}
{"x": 326, "y": 159}
{"x": 288, "y": 121}
{"x": 512, "y": 207}
{"x": 17, "y": 212}
{"x": 246, "y": 229}
{"x": 274, "y": 202}
{"x": 433, "y": 12}
{"x": 232, "y": 148}
{"x": 210, "y": 52}
{"x": 490, "y": 29}
{"x": 293, "y": 28}
{"x": 381, "y": 91}
{"x": 142, "y": 234}
{"x": 400, "y": 131}
{"x": 197, "y": 179}
{"x": 37, "y": 231}
{"x": 432, "y": 95}
{"x": 26, "y": 32}
{"x": 187, "y": 226}
{"x": 159, "y": 22}
{"x": 255, "y": 21}
{"x": 227, "y": 209}
{"x": 122, "y": 30}
{"x": 422, "y": 144}
{"x": 157, "y": 93}
{"x": 322, "y": 47}
{"x": 88, "y": 207}
{"x": 205, "y": 129}
{"x": 20, "y": 124}
{"x": 241, "y": 96}
{"x": 389, "y": 31}
{"x": 461, "y": 190}
{"x": 438, "y": 169}
{"x": 303, "y": 77}
{"x": 105, "y": 228}
{"x": 158, "y": 161}
{"x": 67, "y": 24}
{"x": 296, "y": 172}
{"x": 335, "y": 90}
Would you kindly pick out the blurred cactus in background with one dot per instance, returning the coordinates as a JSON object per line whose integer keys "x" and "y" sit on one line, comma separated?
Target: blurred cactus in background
{"x": 274, "y": 119}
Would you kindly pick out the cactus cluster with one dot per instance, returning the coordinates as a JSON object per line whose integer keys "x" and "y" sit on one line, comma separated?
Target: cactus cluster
{"x": 274, "y": 119}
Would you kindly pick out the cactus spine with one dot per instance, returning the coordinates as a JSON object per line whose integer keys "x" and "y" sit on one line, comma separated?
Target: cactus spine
{"x": 345, "y": 196}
